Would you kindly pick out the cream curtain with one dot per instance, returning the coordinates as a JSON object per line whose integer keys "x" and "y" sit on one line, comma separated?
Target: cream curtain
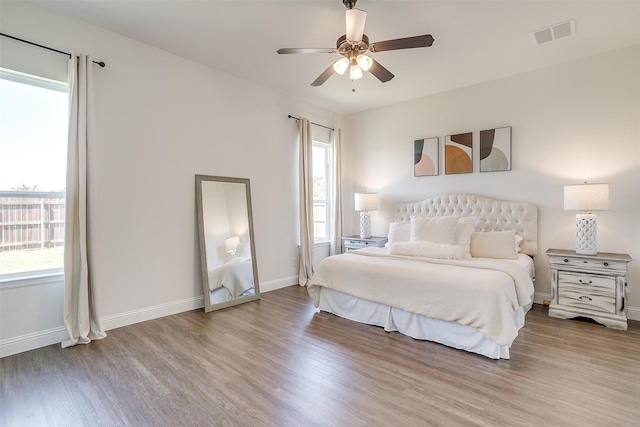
{"x": 306, "y": 203}
{"x": 80, "y": 317}
{"x": 336, "y": 238}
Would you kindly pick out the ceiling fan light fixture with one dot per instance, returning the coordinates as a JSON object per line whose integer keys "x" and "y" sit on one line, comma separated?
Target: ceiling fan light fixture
{"x": 356, "y": 19}
{"x": 365, "y": 62}
{"x": 341, "y": 65}
{"x": 356, "y": 72}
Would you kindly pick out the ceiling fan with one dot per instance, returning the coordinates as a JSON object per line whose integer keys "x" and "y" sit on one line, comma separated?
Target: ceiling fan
{"x": 354, "y": 44}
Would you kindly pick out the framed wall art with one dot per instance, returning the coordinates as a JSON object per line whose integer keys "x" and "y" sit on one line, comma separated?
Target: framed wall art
{"x": 458, "y": 153}
{"x": 426, "y": 157}
{"x": 495, "y": 149}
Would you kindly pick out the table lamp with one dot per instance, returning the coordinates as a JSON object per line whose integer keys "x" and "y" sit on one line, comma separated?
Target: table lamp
{"x": 585, "y": 198}
{"x": 365, "y": 202}
{"x": 231, "y": 244}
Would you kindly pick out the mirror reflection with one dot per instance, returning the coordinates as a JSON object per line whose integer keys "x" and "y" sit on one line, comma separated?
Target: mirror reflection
{"x": 229, "y": 272}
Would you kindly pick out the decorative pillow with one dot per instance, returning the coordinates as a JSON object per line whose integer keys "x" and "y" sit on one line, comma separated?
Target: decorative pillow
{"x": 399, "y": 232}
{"x": 519, "y": 240}
{"x": 493, "y": 244}
{"x": 464, "y": 228}
{"x": 440, "y": 229}
{"x": 426, "y": 249}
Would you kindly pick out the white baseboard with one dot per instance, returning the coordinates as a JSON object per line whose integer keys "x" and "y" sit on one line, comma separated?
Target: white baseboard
{"x": 272, "y": 285}
{"x": 148, "y": 313}
{"x": 633, "y": 313}
{"x": 32, "y": 341}
{"x": 540, "y": 298}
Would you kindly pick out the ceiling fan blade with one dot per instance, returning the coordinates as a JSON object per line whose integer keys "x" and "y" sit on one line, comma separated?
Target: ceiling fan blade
{"x": 324, "y": 76}
{"x": 356, "y": 19}
{"x": 380, "y": 72}
{"x": 286, "y": 50}
{"x": 405, "y": 43}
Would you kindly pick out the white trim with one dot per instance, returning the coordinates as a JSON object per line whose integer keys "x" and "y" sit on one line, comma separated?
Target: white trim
{"x": 32, "y": 341}
{"x": 540, "y": 298}
{"x": 33, "y": 80}
{"x": 148, "y": 313}
{"x": 272, "y": 285}
{"x": 633, "y": 313}
{"x": 24, "y": 280}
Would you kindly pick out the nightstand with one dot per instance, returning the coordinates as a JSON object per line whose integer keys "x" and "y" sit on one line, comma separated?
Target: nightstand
{"x": 350, "y": 243}
{"x": 592, "y": 286}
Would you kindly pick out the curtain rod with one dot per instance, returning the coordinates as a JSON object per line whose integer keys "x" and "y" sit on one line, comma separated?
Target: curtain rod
{"x": 322, "y": 126}
{"x": 100, "y": 63}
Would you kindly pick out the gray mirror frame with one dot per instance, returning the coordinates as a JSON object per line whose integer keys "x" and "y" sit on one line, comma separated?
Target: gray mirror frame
{"x": 203, "y": 254}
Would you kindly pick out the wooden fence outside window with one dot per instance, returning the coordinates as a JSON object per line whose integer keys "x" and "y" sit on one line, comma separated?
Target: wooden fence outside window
{"x": 31, "y": 220}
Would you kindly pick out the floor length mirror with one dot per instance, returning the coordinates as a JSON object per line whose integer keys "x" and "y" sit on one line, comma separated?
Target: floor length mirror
{"x": 227, "y": 250}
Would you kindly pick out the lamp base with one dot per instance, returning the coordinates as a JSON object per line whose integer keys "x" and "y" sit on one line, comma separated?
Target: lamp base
{"x": 365, "y": 225}
{"x": 586, "y": 234}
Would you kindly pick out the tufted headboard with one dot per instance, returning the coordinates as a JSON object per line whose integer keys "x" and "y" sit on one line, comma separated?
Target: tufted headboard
{"x": 490, "y": 214}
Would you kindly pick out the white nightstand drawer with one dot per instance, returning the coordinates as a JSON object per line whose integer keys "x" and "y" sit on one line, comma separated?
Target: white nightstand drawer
{"x": 583, "y": 264}
{"x": 587, "y": 291}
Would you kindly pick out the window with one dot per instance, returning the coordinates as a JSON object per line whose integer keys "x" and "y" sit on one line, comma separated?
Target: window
{"x": 33, "y": 150}
{"x": 321, "y": 155}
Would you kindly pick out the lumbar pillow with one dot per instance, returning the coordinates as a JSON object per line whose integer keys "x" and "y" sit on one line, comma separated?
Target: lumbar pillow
{"x": 399, "y": 232}
{"x": 440, "y": 229}
{"x": 494, "y": 244}
{"x": 426, "y": 249}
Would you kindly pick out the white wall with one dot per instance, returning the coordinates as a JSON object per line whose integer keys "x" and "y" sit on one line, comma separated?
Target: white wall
{"x": 571, "y": 123}
{"x": 160, "y": 120}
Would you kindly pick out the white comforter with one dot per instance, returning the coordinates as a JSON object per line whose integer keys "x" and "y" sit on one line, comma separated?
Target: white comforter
{"x": 479, "y": 292}
{"x": 235, "y": 275}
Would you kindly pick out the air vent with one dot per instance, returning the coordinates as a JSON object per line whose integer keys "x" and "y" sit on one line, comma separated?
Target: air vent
{"x": 555, "y": 32}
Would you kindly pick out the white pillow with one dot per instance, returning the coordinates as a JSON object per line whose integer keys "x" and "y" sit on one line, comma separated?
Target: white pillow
{"x": 398, "y": 232}
{"x": 493, "y": 244}
{"x": 519, "y": 240}
{"x": 464, "y": 228}
{"x": 426, "y": 249}
{"x": 440, "y": 229}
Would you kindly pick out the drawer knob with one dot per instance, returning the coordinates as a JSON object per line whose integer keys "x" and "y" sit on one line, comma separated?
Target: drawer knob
{"x": 606, "y": 264}
{"x": 585, "y": 297}
{"x": 566, "y": 260}
{"x": 585, "y": 283}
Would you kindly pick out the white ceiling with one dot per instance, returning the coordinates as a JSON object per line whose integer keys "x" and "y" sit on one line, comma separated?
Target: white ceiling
{"x": 475, "y": 41}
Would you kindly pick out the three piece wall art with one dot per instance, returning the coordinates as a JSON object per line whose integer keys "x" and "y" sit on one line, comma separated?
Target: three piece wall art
{"x": 495, "y": 153}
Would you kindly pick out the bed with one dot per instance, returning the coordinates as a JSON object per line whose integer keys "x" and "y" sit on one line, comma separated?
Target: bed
{"x": 430, "y": 288}
{"x": 231, "y": 280}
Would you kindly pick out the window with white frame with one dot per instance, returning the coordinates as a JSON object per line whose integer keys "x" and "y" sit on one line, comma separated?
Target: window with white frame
{"x": 33, "y": 150}
{"x": 322, "y": 184}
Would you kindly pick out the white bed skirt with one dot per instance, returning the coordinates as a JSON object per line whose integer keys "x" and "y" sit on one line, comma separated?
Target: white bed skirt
{"x": 451, "y": 334}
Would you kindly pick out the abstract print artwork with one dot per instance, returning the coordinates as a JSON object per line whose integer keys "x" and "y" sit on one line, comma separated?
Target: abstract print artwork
{"x": 495, "y": 149}
{"x": 426, "y": 157}
{"x": 458, "y": 153}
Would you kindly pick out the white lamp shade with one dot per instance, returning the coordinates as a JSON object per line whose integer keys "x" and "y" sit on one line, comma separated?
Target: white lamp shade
{"x": 586, "y": 197}
{"x": 356, "y": 19}
{"x": 341, "y": 65}
{"x": 231, "y": 243}
{"x": 356, "y": 72}
{"x": 366, "y": 201}
{"x": 364, "y": 62}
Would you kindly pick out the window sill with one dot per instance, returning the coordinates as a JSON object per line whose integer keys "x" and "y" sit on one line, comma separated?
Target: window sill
{"x": 31, "y": 278}
{"x": 321, "y": 243}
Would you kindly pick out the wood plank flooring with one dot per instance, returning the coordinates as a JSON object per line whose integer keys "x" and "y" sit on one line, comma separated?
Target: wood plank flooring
{"x": 276, "y": 362}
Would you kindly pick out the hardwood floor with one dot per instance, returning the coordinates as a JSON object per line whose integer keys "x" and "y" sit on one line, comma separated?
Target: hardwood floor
{"x": 276, "y": 362}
